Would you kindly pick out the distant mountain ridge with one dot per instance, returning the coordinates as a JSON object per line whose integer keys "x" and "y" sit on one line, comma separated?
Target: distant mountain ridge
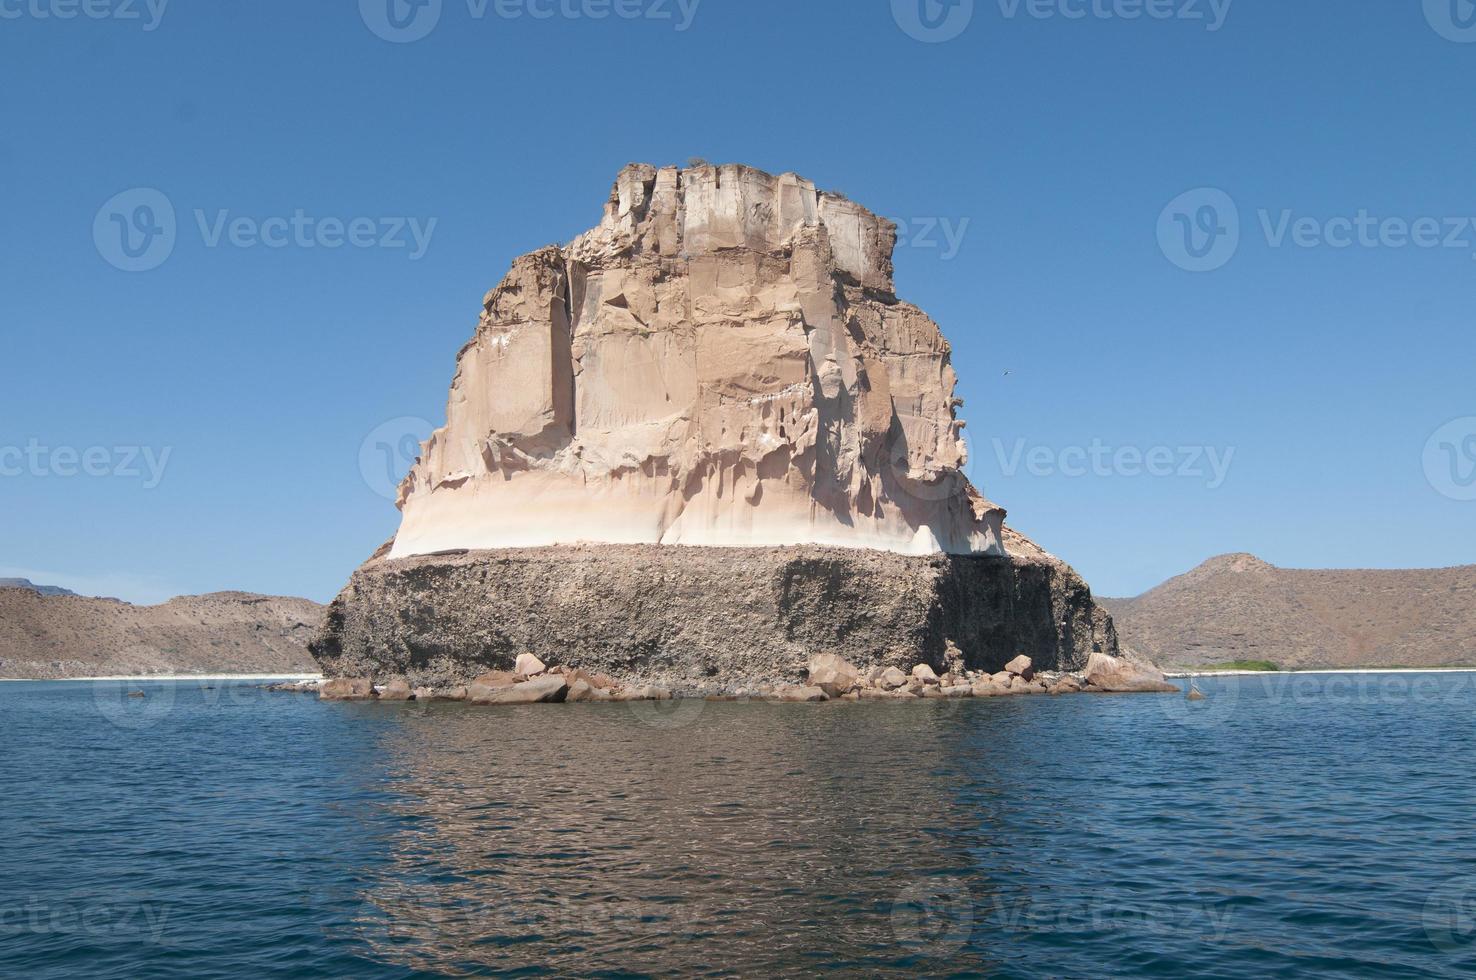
{"x": 1238, "y": 607}
{"x": 48, "y": 636}
{"x": 25, "y": 583}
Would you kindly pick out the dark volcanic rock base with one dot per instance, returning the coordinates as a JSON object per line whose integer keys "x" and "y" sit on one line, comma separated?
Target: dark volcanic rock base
{"x": 705, "y": 617}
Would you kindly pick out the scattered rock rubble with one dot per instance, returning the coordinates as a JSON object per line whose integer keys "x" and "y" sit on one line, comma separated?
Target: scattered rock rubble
{"x": 829, "y": 677}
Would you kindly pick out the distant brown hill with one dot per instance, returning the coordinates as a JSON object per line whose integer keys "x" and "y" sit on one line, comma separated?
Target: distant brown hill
{"x": 57, "y": 636}
{"x": 25, "y": 583}
{"x": 1237, "y": 607}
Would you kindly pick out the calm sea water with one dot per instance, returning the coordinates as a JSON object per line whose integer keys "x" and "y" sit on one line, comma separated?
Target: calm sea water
{"x": 1288, "y": 826}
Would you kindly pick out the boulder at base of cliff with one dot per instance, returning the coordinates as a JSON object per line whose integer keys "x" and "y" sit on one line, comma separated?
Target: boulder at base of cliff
{"x": 396, "y": 689}
{"x": 1021, "y": 666}
{"x": 1119, "y": 676}
{"x": 536, "y": 691}
{"x": 833, "y": 675}
{"x": 347, "y": 689}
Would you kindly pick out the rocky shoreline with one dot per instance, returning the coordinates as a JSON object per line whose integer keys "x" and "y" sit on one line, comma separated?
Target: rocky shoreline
{"x": 828, "y": 678}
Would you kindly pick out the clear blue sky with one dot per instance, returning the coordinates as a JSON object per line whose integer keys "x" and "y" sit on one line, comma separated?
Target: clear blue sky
{"x": 1059, "y": 140}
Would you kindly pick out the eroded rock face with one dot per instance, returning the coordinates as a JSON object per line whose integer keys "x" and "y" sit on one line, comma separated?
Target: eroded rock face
{"x": 721, "y": 362}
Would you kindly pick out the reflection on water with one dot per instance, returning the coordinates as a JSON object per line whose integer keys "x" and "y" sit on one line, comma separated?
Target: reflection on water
{"x": 608, "y": 844}
{"x": 1312, "y": 826}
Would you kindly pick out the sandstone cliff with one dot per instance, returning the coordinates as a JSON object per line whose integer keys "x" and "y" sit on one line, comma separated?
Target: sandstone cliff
{"x": 45, "y": 637}
{"x": 1238, "y": 607}
{"x": 704, "y": 439}
{"x": 722, "y": 361}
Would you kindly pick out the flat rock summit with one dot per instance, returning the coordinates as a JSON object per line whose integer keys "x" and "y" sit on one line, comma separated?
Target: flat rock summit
{"x": 703, "y": 442}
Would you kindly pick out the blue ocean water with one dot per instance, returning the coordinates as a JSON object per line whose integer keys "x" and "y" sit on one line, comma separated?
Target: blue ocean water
{"x": 1286, "y": 826}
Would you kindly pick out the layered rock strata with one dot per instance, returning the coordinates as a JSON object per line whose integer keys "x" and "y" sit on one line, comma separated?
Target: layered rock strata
{"x": 723, "y": 361}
